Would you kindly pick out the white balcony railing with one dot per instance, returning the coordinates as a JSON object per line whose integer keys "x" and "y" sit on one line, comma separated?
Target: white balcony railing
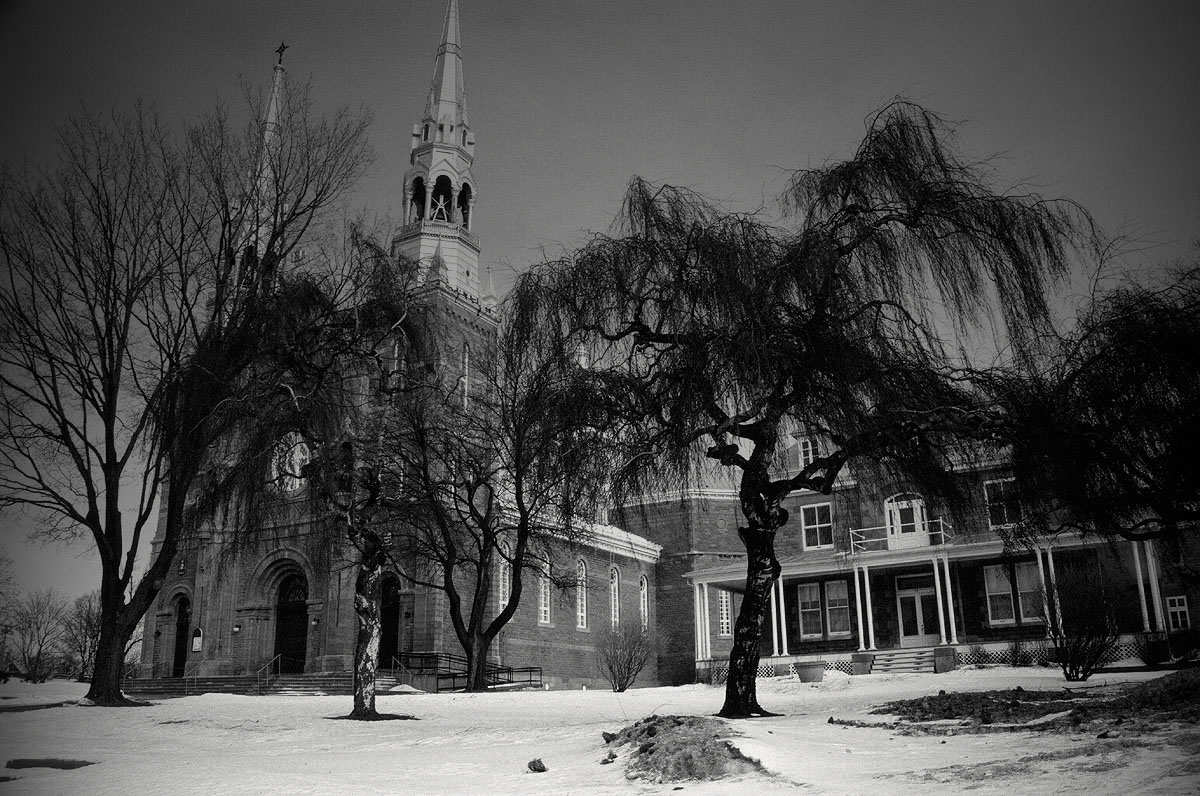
{"x": 929, "y": 533}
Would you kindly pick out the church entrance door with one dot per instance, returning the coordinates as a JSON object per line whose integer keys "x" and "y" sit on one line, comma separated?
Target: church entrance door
{"x": 291, "y": 624}
{"x": 389, "y": 619}
{"x": 183, "y": 621}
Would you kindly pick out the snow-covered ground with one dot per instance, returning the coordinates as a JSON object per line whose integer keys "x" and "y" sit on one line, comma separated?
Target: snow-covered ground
{"x": 481, "y": 743}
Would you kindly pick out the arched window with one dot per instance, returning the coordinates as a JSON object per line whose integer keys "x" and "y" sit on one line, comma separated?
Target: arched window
{"x": 614, "y": 595}
{"x": 464, "y": 203}
{"x": 581, "y": 595}
{"x": 644, "y": 602}
{"x": 440, "y": 209}
{"x": 466, "y": 375}
{"x": 505, "y": 585}
{"x": 544, "y": 598}
{"x": 417, "y": 200}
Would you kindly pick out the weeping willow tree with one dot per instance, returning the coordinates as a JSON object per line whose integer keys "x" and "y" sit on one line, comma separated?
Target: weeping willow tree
{"x": 713, "y": 336}
{"x": 1102, "y": 432}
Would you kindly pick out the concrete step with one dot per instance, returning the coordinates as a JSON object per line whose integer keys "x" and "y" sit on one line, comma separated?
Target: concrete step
{"x": 320, "y": 684}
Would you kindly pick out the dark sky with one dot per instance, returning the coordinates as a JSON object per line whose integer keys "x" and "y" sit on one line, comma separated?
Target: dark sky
{"x": 1094, "y": 101}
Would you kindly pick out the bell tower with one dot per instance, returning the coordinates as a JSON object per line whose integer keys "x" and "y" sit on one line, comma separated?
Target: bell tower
{"x": 438, "y": 203}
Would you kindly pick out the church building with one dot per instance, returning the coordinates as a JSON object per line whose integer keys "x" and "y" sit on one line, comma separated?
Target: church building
{"x": 867, "y": 582}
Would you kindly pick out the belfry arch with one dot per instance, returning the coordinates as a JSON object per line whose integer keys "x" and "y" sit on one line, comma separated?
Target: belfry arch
{"x": 440, "y": 209}
{"x": 466, "y": 198}
{"x": 416, "y": 200}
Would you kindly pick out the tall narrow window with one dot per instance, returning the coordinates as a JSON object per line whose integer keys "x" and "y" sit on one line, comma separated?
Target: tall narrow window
{"x": 581, "y": 595}
{"x": 644, "y": 602}
{"x": 837, "y": 608}
{"x": 544, "y": 598}
{"x": 505, "y": 576}
{"x": 806, "y": 452}
{"x": 1029, "y": 591}
{"x": 810, "y": 610}
{"x": 817, "y": 524}
{"x": 614, "y": 596}
{"x": 1177, "y": 612}
{"x": 724, "y": 613}
{"x": 1004, "y": 509}
{"x": 466, "y": 375}
{"x": 999, "y": 596}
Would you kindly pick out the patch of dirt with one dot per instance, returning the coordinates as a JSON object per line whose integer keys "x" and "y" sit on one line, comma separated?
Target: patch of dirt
{"x": 47, "y": 762}
{"x": 680, "y": 749}
{"x": 1169, "y": 699}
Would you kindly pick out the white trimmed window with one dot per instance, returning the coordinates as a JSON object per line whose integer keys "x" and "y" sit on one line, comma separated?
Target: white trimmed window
{"x": 1029, "y": 591}
{"x": 810, "y": 610}
{"x": 1004, "y": 510}
{"x": 544, "y": 598}
{"x": 581, "y": 595}
{"x": 817, "y": 524}
{"x": 724, "y": 613}
{"x": 505, "y": 586}
{"x": 614, "y": 596}
{"x": 837, "y": 608}
{"x": 999, "y": 596}
{"x": 644, "y": 601}
{"x": 806, "y": 452}
{"x": 1177, "y": 613}
{"x": 1002, "y": 608}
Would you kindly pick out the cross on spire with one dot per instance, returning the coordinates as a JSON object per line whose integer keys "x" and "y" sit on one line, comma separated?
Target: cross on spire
{"x": 280, "y": 49}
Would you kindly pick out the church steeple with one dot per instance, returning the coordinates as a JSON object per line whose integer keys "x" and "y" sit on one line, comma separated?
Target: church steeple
{"x": 439, "y": 192}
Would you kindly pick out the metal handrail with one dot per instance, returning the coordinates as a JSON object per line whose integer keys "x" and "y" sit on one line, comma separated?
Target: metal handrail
{"x": 396, "y": 664}
{"x": 191, "y": 672}
{"x": 264, "y": 671}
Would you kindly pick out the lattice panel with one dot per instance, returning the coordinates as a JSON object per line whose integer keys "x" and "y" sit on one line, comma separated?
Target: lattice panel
{"x": 846, "y": 667}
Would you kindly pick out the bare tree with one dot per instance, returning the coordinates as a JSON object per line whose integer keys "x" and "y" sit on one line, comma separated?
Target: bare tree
{"x": 81, "y": 634}
{"x": 139, "y": 278}
{"x": 37, "y": 630}
{"x": 622, "y": 652}
{"x": 716, "y": 336}
{"x": 492, "y": 476}
{"x": 1085, "y": 626}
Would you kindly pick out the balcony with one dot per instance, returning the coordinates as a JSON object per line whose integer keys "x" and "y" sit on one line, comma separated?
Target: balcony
{"x": 436, "y": 228}
{"x": 904, "y": 536}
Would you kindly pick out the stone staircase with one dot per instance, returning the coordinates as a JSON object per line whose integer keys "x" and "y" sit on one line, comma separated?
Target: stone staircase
{"x": 321, "y": 684}
{"x": 917, "y": 660}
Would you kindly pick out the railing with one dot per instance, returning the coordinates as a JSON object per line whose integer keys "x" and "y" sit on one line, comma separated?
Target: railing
{"x": 395, "y": 665}
{"x": 931, "y": 533}
{"x": 191, "y": 674}
{"x": 451, "y": 670}
{"x": 263, "y": 675}
{"x": 416, "y": 227}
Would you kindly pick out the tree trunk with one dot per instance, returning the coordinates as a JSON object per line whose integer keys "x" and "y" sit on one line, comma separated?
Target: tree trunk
{"x": 477, "y": 664}
{"x": 741, "y": 693}
{"x": 366, "y": 647}
{"x": 105, "y": 688}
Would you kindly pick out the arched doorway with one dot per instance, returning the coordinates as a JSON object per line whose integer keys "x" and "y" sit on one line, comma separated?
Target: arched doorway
{"x": 183, "y": 620}
{"x": 291, "y": 624}
{"x": 389, "y": 620}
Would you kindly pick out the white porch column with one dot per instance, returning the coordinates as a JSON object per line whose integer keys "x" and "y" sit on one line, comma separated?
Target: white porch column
{"x": 937, "y": 588}
{"x": 950, "y": 601}
{"x": 1054, "y": 588}
{"x": 1155, "y": 588}
{"x": 870, "y": 608}
{"x": 697, "y": 619}
{"x": 774, "y": 626}
{"x": 783, "y": 639}
{"x": 707, "y": 626}
{"x": 1037, "y": 551}
{"x": 858, "y": 609}
{"x": 1137, "y": 574}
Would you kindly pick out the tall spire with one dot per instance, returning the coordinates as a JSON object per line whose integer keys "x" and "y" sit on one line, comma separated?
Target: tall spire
{"x": 447, "y": 96}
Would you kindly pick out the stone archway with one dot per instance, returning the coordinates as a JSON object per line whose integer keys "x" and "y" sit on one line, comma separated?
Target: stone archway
{"x": 291, "y": 623}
